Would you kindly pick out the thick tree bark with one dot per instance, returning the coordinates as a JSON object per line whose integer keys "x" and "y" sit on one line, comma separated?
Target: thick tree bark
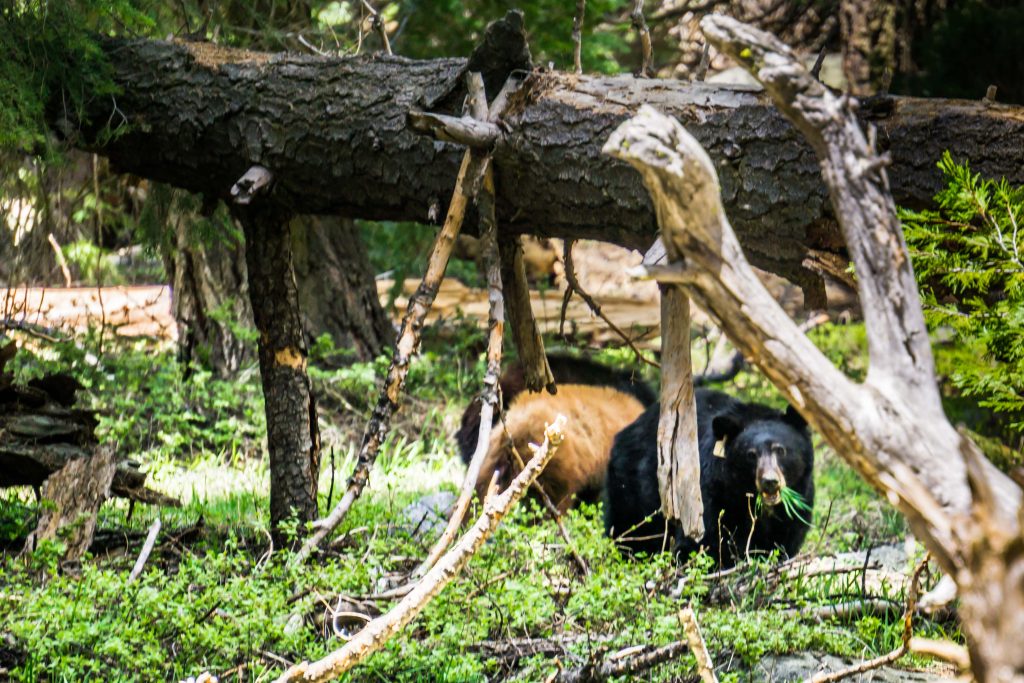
{"x": 293, "y": 437}
{"x": 334, "y": 131}
{"x": 211, "y": 297}
{"x": 337, "y": 292}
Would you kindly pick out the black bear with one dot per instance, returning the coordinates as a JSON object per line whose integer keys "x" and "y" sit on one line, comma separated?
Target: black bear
{"x": 765, "y": 451}
{"x": 576, "y": 472}
{"x": 566, "y": 370}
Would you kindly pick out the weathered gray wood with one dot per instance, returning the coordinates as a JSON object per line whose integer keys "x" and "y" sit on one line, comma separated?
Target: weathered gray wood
{"x": 891, "y": 428}
{"x": 678, "y": 453}
{"x": 74, "y": 494}
{"x": 334, "y": 132}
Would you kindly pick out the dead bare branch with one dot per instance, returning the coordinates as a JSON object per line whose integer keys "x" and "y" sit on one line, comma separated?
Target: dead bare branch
{"x": 705, "y": 667}
{"x": 474, "y": 164}
{"x": 378, "y": 631}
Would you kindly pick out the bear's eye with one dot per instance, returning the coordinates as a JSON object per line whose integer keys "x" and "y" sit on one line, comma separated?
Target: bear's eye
{"x": 778, "y": 450}
{"x": 752, "y": 453}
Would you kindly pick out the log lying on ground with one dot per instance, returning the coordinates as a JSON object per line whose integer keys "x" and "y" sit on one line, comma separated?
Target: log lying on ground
{"x": 41, "y": 433}
{"x": 334, "y": 131}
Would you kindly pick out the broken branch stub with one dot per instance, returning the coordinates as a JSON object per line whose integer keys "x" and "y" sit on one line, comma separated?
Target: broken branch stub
{"x": 678, "y": 454}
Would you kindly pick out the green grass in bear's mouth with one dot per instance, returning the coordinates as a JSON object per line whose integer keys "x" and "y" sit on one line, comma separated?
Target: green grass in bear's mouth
{"x": 793, "y": 502}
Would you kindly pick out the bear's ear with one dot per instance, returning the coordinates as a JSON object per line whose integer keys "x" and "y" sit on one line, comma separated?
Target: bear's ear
{"x": 794, "y": 419}
{"x": 726, "y": 427}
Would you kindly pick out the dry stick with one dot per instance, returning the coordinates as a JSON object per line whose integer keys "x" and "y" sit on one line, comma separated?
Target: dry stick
{"x": 147, "y": 548}
{"x": 942, "y": 649}
{"x": 577, "y": 36}
{"x": 489, "y": 399}
{"x": 496, "y": 317}
{"x": 549, "y": 507}
{"x": 573, "y": 285}
{"x": 376, "y": 633}
{"x": 58, "y": 254}
{"x": 904, "y": 648}
{"x": 473, "y": 163}
{"x": 705, "y": 667}
{"x": 640, "y": 25}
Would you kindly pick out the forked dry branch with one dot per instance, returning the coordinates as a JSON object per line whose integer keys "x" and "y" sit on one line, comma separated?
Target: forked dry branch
{"x": 891, "y": 428}
{"x": 377, "y": 632}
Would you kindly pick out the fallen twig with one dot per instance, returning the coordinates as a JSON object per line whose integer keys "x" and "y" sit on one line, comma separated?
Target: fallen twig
{"x": 904, "y": 648}
{"x": 705, "y": 667}
{"x": 380, "y": 630}
{"x": 147, "y": 548}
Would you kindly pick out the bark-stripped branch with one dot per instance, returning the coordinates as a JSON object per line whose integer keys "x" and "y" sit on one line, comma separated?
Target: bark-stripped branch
{"x": 489, "y": 397}
{"x": 376, "y": 633}
{"x": 678, "y": 455}
{"x": 473, "y": 164}
{"x": 891, "y": 429}
{"x": 705, "y": 667}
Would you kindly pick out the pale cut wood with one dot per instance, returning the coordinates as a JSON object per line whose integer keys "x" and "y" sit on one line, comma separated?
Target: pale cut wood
{"x": 376, "y": 633}
{"x": 678, "y": 453}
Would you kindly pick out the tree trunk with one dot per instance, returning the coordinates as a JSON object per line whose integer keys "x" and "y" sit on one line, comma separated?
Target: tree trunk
{"x": 293, "y": 436}
{"x": 869, "y": 35}
{"x": 337, "y": 291}
{"x": 200, "y": 115}
{"x": 211, "y": 300}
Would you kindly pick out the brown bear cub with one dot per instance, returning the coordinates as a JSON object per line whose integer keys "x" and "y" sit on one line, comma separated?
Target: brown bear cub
{"x": 577, "y": 471}
{"x": 566, "y": 370}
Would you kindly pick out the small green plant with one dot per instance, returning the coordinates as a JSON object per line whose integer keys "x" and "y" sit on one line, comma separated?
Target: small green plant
{"x": 969, "y": 261}
{"x": 793, "y": 504}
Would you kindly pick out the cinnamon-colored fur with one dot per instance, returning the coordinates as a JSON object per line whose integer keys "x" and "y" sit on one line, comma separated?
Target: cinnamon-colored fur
{"x": 594, "y": 415}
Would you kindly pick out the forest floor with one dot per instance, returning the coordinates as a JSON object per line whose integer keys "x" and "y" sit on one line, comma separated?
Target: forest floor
{"x": 217, "y": 596}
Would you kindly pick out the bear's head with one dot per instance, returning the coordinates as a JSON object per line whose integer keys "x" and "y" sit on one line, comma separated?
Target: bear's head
{"x": 766, "y": 454}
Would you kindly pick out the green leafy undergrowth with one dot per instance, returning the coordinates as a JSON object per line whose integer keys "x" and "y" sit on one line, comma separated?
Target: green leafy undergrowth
{"x": 213, "y": 597}
{"x": 969, "y": 264}
{"x": 153, "y": 407}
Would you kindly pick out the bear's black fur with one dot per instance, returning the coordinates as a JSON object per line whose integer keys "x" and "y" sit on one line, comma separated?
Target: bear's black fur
{"x": 566, "y": 370}
{"x": 764, "y": 450}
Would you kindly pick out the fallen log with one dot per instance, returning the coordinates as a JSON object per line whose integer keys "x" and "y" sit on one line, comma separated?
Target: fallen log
{"x": 335, "y": 133}
{"x": 41, "y": 433}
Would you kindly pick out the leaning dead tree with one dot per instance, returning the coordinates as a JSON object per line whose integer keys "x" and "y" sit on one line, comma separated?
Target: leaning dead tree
{"x": 891, "y": 428}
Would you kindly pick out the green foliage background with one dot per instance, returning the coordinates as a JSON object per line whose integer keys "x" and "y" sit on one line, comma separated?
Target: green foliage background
{"x": 967, "y": 257}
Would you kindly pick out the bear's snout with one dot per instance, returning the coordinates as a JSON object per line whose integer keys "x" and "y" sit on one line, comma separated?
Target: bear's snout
{"x": 770, "y": 480}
